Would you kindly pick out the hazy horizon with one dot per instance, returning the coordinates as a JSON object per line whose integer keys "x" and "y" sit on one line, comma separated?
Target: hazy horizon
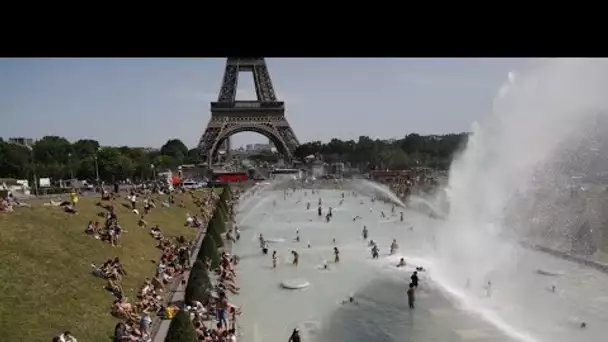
{"x": 144, "y": 102}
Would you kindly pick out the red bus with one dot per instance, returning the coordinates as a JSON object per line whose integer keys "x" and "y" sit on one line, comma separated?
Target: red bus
{"x": 230, "y": 177}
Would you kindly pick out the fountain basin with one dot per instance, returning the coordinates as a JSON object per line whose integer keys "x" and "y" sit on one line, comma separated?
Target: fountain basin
{"x": 294, "y": 284}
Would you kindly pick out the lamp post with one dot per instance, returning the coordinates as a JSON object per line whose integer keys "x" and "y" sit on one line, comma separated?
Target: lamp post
{"x": 31, "y": 149}
{"x": 96, "y": 166}
{"x": 71, "y": 171}
{"x": 153, "y": 167}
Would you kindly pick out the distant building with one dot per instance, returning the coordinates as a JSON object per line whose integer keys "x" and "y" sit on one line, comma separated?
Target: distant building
{"x": 22, "y": 141}
{"x": 318, "y": 168}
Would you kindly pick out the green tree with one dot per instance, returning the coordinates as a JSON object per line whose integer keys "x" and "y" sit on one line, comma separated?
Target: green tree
{"x": 181, "y": 329}
{"x": 175, "y": 149}
{"x": 199, "y": 284}
{"x": 215, "y": 228}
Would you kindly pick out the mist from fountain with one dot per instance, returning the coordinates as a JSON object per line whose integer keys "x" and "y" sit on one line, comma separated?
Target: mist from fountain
{"x": 373, "y": 189}
{"x": 516, "y": 181}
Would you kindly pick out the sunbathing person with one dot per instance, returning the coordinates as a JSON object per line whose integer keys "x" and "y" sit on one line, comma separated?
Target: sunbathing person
{"x": 122, "y": 308}
{"x": 124, "y": 333}
{"x": 114, "y": 286}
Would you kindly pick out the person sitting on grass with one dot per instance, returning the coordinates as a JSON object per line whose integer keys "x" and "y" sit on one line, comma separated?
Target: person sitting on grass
{"x": 67, "y": 337}
{"x": 70, "y": 209}
{"x": 105, "y": 195}
{"x": 5, "y": 207}
{"x": 122, "y": 333}
{"x": 142, "y": 222}
{"x": 121, "y": 308}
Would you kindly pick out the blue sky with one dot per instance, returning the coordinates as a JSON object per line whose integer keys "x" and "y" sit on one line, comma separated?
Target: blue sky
{"x": 144, "y": 101}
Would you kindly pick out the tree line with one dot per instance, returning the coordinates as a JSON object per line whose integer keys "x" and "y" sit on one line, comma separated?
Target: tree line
{"x": 57, "y": 158}
{"x": 413, "y": 150}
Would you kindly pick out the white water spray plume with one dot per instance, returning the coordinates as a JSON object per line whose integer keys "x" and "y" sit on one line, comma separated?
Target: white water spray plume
{"x": 530, "y": 174}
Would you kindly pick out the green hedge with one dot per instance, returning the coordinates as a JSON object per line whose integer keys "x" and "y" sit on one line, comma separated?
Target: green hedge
{"x": 181, "y": 329}
{"x": 215, "y": 229}
{"x": 209, "y": 249}
{"x": 199, "y": 284}
{"x": 218, "y": 221}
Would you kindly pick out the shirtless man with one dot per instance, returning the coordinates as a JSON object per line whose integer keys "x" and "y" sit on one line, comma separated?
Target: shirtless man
{"x": 222, "y": 312}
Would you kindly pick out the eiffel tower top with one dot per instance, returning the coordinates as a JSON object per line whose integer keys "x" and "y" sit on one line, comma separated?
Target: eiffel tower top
{"x": 265, "y": 96}
{"x": 245, "y": 60}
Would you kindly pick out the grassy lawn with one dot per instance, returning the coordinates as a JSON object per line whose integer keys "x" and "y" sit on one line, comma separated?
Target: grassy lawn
{"x": 47, "y": 285}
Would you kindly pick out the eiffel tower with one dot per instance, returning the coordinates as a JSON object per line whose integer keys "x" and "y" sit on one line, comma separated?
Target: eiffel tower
{"x": 265, "y": 116}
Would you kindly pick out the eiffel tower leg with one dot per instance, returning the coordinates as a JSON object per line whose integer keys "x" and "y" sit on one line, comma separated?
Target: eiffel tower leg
{"x": 209, "y": 139}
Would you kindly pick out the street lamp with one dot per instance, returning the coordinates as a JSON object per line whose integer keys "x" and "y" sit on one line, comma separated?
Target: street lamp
{"x": 153, "y": 167}
{"x": 71, "y": 171}
{"x": 31, "y": 149}
{"x": 96, "y": 165}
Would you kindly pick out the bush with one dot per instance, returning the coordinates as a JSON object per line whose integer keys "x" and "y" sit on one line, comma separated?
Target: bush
{"x": 199, "y": 284}
{"x": 181, "y": 329}
{"x": 214, "y": 229}
{"x": 209, "y": 249}
{"x": 218, "y": 221}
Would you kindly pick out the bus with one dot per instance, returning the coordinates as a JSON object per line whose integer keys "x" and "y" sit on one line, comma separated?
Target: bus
{"x": 230, "y": 177}
{"x": 285, "y": 174}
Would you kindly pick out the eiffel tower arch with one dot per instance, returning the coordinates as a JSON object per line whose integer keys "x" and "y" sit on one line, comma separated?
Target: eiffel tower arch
{"x": 265, "y": 116}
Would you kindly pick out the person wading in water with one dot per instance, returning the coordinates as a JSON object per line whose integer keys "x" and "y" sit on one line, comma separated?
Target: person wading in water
{"x": 411, "y": 295}
{"x": 295, "y": 336}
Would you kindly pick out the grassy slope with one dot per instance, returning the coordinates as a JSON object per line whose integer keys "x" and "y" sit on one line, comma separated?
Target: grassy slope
{"x": 46, "y": 282}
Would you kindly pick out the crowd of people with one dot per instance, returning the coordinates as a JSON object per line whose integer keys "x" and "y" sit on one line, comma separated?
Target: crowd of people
{"x": 137, "y": 314}
{"x": 216, "y": 320}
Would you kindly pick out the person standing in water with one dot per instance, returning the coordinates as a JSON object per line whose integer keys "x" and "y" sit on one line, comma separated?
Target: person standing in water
{"x": 336, "y": 255}
{"x": 394, "y": 246}
{"x": 320, "y": 211}
{"x": 414, "y": 279}
{"x": 364, "y": 233}
{"x": 274, "y": 259}
{"x": 262, "y": 241}
{"x": 401, "y": 216}
{"x": 411, "y": 295}
{"x": 375, "y": 251}
{"x": 307, "y": 205}
{"x": 295, "y": 336}
{"x": 320, "y": 201}
{"x": 265, "y": 248}
{"x": 295, "y": 257}
{"x": 297, "y": 235}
